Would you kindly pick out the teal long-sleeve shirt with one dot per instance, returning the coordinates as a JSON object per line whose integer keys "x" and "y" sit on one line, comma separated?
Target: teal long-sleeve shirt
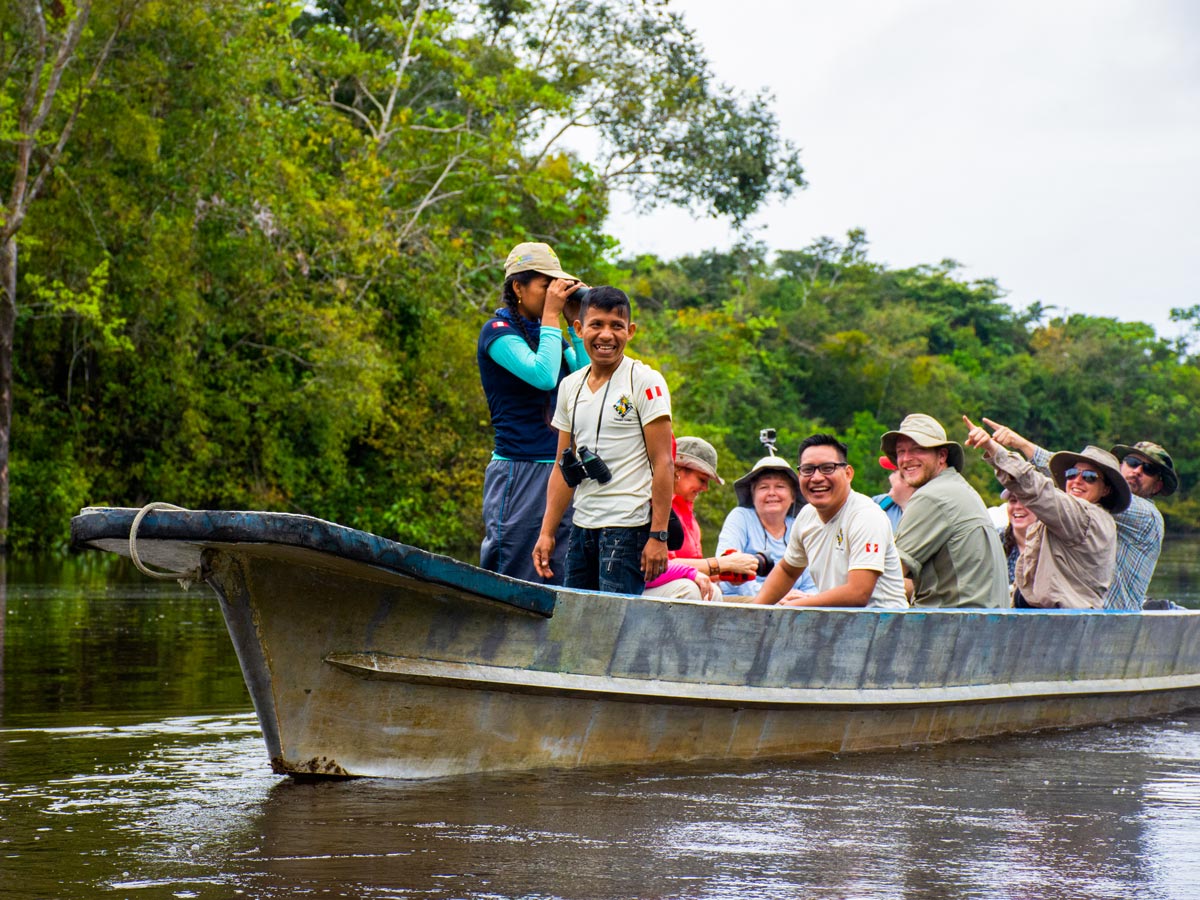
{"x": 540, "y": 368}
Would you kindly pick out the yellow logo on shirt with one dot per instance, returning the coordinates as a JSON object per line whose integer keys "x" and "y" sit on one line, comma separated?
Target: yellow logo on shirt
{"x": 624, "y": 406}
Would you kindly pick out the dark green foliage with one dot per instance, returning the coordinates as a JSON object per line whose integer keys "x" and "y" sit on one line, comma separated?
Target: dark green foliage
{"x": 823, "y": 339}
{"x": 257, "y": 276}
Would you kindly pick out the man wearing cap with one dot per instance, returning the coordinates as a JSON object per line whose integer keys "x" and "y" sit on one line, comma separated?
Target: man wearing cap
{"x": 522, "y": 357}
{"x": 898, "y": 495}
{"x": 1071, "y": 550}
{"x": 947, "y": 543}
{"x": 1149, "y": 471}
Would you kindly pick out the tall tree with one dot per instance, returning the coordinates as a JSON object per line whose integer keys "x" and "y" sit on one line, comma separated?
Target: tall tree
{"x": 50, "y": 63}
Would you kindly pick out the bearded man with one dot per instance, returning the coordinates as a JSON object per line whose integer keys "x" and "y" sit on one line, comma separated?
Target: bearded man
{"x": 948, "y": 546}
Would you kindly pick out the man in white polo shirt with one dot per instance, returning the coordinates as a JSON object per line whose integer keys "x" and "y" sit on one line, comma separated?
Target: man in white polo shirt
{"x": 841, "y": 537}
{"x": 618, "y": 409}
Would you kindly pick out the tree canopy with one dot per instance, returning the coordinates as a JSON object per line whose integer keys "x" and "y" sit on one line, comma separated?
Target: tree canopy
{"x": 255, "y": 273}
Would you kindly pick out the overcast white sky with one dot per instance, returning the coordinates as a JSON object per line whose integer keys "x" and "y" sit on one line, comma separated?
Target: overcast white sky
{"x": 1051, "y": 145}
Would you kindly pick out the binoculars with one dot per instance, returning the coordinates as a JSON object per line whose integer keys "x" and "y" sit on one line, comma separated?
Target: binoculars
{"x": 586, "y": 465}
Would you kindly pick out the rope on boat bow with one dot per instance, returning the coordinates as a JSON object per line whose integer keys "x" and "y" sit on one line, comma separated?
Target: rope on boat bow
{"x": 185, "y": 579}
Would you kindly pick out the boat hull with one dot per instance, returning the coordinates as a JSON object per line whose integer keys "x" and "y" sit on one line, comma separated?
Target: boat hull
{"x": 358, "y": 669}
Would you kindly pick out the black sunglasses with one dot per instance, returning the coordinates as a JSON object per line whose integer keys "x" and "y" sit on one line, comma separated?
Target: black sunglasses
{"x": 1086, "y": 474}
{"x": 1149, "y": 468}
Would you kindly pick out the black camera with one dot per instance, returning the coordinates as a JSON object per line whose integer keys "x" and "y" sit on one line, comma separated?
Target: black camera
{"x": 586, "y": 465}
{"x": 767, "y": 437}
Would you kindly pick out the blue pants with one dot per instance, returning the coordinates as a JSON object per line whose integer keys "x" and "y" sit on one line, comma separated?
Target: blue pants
{"x": 607, "y": 559}
{"x": 514, "y": 500}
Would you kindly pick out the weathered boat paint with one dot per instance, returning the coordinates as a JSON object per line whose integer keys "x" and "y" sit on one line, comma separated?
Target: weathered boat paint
{"x": 365, "y": 657}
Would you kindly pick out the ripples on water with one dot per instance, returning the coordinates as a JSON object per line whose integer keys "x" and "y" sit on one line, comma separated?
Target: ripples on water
{"x": 111, "y": 785}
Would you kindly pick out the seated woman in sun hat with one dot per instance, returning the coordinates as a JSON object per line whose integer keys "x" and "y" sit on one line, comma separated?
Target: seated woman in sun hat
{"x": 761, "y": 523}
{"x": 1070, "y": 551}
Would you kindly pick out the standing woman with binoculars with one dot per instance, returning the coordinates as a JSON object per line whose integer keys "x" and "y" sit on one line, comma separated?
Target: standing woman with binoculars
{"x": 522, "y": 357}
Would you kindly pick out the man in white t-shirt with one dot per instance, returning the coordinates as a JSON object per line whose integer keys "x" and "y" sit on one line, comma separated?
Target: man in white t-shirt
{"x": 620, "y": 410}
{"x": 841, "y": 537}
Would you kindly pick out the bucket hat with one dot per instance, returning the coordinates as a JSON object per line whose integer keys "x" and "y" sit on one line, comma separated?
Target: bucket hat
{"x": 697, "y": 453}
{"x": 1118, "y": 495}
{"x": 534, "y": 257}
{"x": 927, "y": 432}
{"x": 1154, "y": 453}
{"x": 775, "y": 465}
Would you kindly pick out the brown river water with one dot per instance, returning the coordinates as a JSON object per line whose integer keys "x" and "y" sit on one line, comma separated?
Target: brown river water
{"x": 131, "y": 766}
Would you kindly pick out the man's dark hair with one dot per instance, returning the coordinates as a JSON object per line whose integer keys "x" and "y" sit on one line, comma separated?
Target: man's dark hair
{"x": 606, "y": 299}
{"x": 822, "y": 440}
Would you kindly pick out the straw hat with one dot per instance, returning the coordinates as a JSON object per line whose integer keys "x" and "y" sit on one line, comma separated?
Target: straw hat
{"x": 925, "y": 431}
{"x": 1118, "y": 496}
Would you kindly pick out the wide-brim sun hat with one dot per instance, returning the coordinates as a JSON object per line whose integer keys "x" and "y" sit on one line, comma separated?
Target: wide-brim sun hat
{"x": 1154, "y": 453}
{"x": 1105, "y": 463}
{"x": 744, "y": 486}
{"x": 925, "y": 431}
{"x": 697, "y": 453}
{"x": 534, "y": 257}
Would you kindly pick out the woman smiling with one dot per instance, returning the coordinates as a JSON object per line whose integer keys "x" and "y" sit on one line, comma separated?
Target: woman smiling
{"x": 1070, "y": 551}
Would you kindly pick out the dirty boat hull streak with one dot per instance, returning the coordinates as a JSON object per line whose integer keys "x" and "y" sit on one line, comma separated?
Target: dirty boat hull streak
{"x": 364, "y": 657}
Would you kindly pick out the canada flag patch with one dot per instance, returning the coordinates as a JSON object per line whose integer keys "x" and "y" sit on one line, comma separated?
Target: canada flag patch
{"x": 653, "y": 392}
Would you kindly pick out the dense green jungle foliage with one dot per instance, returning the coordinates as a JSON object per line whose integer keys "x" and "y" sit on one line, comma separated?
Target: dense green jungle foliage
{"x": 257, "y": 276}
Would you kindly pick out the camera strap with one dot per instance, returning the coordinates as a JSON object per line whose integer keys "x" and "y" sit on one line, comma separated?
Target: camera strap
{"x": 603, "y": 404}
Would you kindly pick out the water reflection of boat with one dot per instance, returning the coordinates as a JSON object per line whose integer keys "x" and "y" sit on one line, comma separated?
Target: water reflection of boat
{"x": 368, "y": 657}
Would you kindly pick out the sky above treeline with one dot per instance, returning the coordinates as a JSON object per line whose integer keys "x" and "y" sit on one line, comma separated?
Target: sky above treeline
{"x": 1053, "y": 145}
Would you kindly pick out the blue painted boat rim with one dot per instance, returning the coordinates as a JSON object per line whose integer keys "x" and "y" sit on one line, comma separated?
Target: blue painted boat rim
{"x": 100, "y": 526}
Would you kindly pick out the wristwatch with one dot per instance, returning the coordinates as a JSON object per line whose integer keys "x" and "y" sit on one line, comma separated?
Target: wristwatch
{"x": 663, "y": 536}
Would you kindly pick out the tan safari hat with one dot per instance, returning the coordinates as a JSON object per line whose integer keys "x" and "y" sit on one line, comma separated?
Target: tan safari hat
{"x": 531, "y": 257}
{"x": 1118, "y": 496}
{"x": 924, "y": 431}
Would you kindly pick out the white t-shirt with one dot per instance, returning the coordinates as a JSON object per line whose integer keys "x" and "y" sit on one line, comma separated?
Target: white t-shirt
{"x": 858, "y": 537}
{"x": 609, "y": 423}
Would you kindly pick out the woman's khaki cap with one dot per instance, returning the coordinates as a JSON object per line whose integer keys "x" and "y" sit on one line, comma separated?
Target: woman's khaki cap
{"x": 925, "y": 431}
{"x": 1117, "y": 499}
{"x": 744, "y": 486}
{"x": 697, "y": 453}
{"x": 530, "y": 257}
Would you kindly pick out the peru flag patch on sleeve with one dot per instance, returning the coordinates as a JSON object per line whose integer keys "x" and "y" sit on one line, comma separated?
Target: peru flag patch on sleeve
{"x": 653, "y": 392}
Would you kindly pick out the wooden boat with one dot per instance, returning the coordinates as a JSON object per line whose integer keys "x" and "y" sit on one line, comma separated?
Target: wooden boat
{"x": 365, "y": 657}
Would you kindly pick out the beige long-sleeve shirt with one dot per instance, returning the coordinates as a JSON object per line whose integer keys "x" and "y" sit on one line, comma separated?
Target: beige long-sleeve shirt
{"x": 1070, "y": 552}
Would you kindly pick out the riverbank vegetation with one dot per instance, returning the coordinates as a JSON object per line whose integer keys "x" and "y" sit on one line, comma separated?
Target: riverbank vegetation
{"x": 255, "y": 276}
